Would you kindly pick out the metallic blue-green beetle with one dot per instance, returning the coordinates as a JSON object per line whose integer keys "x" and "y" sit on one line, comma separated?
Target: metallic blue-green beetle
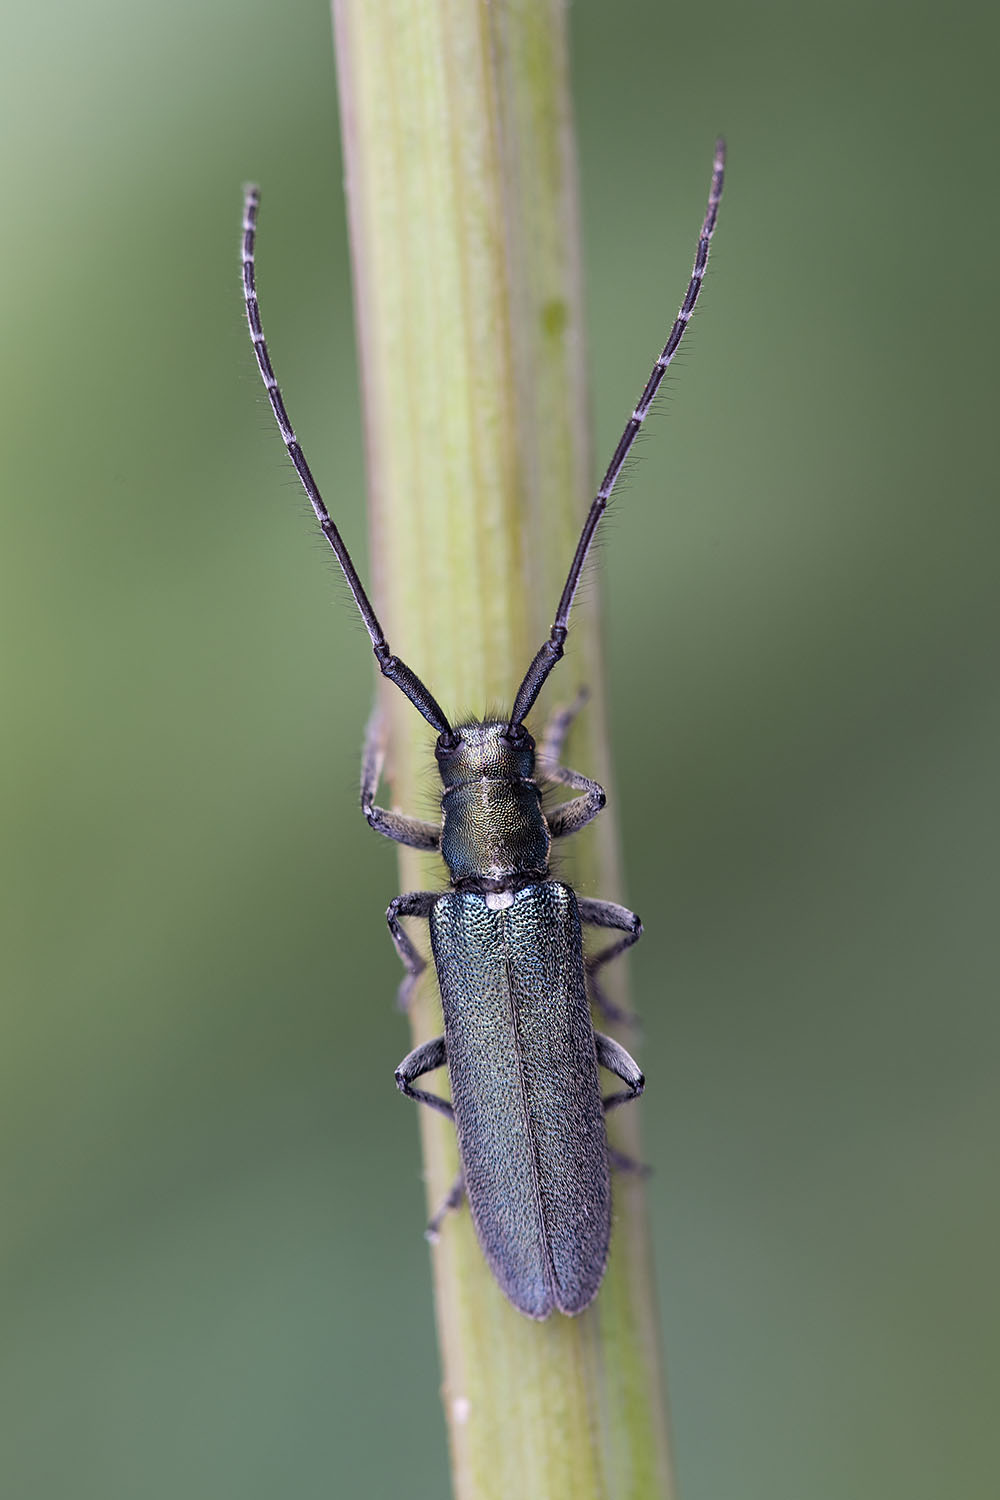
{"x": 519, "y": 1045}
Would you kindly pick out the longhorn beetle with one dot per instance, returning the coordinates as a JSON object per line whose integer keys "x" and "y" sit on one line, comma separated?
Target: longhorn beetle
{"x": 519, "y": 1045}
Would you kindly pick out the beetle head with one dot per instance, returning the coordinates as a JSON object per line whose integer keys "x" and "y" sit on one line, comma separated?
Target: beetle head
{"x": 493, "y": 750}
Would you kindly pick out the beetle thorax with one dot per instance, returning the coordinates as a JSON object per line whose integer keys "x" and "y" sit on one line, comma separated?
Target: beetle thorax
{"x": 495, "y": 836}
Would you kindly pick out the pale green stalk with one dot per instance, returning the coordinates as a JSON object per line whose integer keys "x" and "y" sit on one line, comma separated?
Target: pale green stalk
{"x": 465, "y": 243}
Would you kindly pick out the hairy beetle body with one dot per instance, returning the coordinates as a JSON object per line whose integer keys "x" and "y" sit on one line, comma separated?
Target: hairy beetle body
{"x": 516, "y": 988}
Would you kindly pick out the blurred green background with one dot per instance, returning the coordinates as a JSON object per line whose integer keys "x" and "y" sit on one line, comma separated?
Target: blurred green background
{"x": 214, "y": 1281}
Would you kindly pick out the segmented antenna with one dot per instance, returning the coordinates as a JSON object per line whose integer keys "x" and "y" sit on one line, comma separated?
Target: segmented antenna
{"x": 390, "y": 666}
{"x": 552, "y": 649}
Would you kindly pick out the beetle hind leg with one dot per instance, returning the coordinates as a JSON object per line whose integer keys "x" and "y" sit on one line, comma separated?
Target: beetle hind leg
{"x": 454, "y": 1200}
{"x": 623, "y": 1163}
{"x": 612, "y": 1056}
{"x": 425, "y": 1059}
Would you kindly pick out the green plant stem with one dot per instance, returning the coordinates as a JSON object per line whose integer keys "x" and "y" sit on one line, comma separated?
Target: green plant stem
{"x": 461, "y": 188}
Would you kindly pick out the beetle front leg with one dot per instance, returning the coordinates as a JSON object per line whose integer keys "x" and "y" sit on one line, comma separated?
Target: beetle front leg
{"x": 391, "y": 825}
{"x": 424, "y": 1059}
{"x": 570, "y": 816}
{"x": 608, "y": 914}
{"x": 411, "y": 904}
{"x": 612, "y": 1056}
{"x": 558, "y": 727}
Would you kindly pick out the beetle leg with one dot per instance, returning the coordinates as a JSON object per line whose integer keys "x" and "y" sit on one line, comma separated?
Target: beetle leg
{"x": 617, "y": 1061}
{"x": 608, "y": 914}
{"x": 555, "y": 732}
{"x": 570, "y": 816}
{"x": 397, "y": 826}
{"x": 424, "y": 1059}
{"x": 453, "y": 1200}
{"x": 411, "y": 904}
{"x": 623, "y": 1163}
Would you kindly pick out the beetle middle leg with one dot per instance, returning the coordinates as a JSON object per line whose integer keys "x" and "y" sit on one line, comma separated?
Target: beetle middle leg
{"x": 620, "y": 919}
{"x": 410, "y": 904}
{"x": 424, "y": 1059}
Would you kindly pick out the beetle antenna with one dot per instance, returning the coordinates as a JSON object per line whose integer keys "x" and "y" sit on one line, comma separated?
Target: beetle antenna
{"x": 390, "y": 666}
{"x": 552, "y": 649}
